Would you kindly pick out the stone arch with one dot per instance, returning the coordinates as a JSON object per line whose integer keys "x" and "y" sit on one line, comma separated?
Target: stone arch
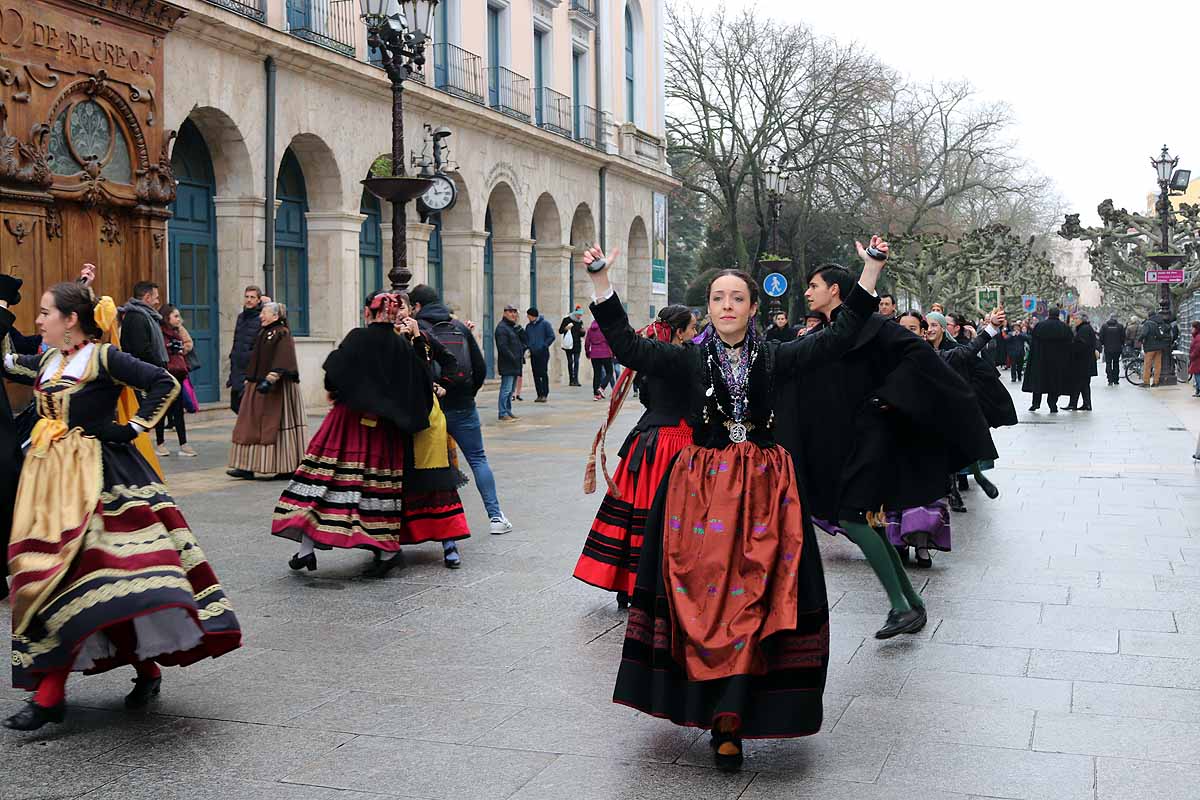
{"x": 505, "y": 276}
{"x": 232, "y": 168}
{"x": 549, "y": 264}
{"x": 637, "y": 274}
{"x": 322, "y": 175}
{"x": 505, "y": 211}
{"x": 583, "y": 235}
{"x": 459, "y": 217}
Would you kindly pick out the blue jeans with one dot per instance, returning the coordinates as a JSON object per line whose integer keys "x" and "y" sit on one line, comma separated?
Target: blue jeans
{"x": 463, "y": 425}
{"x": 1196, "y": 381}
{"x": 508, "y": 385}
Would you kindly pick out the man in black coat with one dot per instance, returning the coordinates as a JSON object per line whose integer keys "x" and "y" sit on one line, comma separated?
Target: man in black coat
{"x": 1048, "y": 371}
{"x": 10, "y": 445}
{"x": 1083, "y": 365}
{"x": 1112, "y": 339}
{"x": 141, "y": 325}
{"x": 891, "y": 393}
{"x": 573, "y": 322}
{"x": 245, "y": 333}
{"x": 510, "y": 360}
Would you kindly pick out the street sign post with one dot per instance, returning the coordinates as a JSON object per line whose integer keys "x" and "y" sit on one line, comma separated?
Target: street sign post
{"x": 1164, "y": 276}
{"x": 775, "y": 285}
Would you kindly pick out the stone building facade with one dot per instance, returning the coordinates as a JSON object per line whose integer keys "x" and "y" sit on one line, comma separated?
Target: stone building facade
{"x": 546, "y": 165}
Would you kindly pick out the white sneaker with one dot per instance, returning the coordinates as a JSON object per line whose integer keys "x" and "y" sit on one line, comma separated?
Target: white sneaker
{"x": 161, "y": 451}
{"x": 187, "y": 452}
{"x": 501, "y": 525}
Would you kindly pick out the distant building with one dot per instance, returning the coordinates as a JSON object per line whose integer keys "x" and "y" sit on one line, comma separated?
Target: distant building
{"x": 1071, "y": 262}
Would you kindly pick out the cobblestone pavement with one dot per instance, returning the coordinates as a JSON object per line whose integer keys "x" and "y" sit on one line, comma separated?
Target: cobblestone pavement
{"x": 1061, "y": 659}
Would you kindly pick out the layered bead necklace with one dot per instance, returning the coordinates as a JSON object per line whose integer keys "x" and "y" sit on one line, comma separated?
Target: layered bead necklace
{"x": 734, "y": 362}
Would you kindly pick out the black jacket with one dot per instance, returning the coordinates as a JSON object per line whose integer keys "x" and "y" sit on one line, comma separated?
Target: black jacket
{"x": 785, "y": 334}
{"x": 576, "y": 328}
{"x": 1083, "y": 354}
{"x": 1151, "y": 341}
{"x": 375, "y": 371}
{"x": 994, "y": 400}
{"x": 687, "y": 368}
{"x": 456, "y": 399}
{"x": 138, "y": 336}
{"x": 245, "y": 333}
{"x": 510, "y": 348}
{"x": 890, "y": 396}
{"x": 1049, "y": 359}
{"x": 1112, "y": 336}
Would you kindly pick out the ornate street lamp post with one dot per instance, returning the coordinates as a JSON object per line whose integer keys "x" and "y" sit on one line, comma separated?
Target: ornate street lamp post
{"x": 772, "y": 177}
{"x": 399, "y": 31}
{"x": 1169, "y": 179}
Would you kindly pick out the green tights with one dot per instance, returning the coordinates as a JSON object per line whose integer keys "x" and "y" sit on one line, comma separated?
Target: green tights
{"x": 884, "y": 559}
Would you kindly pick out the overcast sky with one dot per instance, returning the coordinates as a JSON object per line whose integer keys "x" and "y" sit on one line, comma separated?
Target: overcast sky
{"x": 1084, "y": 86}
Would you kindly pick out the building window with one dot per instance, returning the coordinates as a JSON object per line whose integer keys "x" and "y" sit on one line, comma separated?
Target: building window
{"x": 630, "y": 70}
{"x": 370, "y": 245}
{"x": 539, "y": 74}
{"x": 578, "y": 86}
{"x": 85, "y": 133}
{"x": 434, "y": 253}
{"x": 291, "y": 243}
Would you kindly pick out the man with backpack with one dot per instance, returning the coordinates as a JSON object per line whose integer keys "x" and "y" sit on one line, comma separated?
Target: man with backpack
{"x": 462, "y": 416}
{"x": 1158, "y": 335}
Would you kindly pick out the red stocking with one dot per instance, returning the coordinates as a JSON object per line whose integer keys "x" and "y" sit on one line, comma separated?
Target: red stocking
{"x": 52, "y": 689}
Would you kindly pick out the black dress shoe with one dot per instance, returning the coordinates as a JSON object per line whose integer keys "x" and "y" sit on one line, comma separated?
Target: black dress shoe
{"x": 731, "y": 762}
{"x": 924, "y": 562}
{"x": 963, "y": 485}
{"x": 33, "y": 716}
{"x": 299, "y": 562}
{"x": 899, "y": 622}
{"x": 988, "y": 487}
{"x": 382, "y": 566}
{"x": 1054, "y": 411}
{"x": 1085, "y": 408}
{"x": 144, "y": 690}
{"x": 243, "y": 474}
{"x": 1035, "y": 408}
{"x": 622, "y": 600}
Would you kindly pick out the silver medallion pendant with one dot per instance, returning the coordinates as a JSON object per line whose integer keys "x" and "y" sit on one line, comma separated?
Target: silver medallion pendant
{"x": 737, "y": 433}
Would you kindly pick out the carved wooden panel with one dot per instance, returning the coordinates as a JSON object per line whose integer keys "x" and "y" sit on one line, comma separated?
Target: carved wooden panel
{"x": 84, "y": 174}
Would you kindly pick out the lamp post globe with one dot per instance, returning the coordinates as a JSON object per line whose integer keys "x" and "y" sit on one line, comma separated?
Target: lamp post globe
{"x": 772, "y": 178}
{"x": 1164, "y": 165}
{"x": 373, "y": 12}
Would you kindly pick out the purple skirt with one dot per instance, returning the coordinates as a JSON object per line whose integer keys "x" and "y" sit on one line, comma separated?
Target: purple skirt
{"x": 933, "y": 519}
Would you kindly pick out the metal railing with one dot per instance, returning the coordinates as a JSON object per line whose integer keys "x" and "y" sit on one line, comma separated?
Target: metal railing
{"x": 508, "y": 92}
{"x": 552, "y": 111}
{"x": 584, "y": 7}
{"x": 328, "y": 23}
{"x": 458, "y": 72}
{"x": 585, "y": 119}
{"x": 254, "y": 9}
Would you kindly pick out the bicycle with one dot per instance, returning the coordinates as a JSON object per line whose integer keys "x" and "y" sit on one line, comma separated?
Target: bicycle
{"x": 1133, "y": 366}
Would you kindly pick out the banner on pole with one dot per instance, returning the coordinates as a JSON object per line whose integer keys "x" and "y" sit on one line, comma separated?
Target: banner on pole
{"x": 1029, "y": 303}
{"x": 987, "y": 298}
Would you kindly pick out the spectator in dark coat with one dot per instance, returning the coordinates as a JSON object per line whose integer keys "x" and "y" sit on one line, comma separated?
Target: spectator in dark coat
{"x": 245, "y": 333}
{"x": 1112, "y": 339}
{"x": 510, "y": 358}
{"x": 539, "y": 338}
{"x": 1015, "y": 344}
{"x": 780, "y": 331}
{"x": 141, "y": 326}
{"x": 1083, "y": 365}
{"x": 1049, "y": 361}
{"x": 573, "y": 322}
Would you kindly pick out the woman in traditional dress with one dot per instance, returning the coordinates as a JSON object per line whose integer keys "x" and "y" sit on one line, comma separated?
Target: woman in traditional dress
{"x": 728, "y": 628}
{"x": 268, "y": 438}
{"x": 348, "y": 492}
{"x": 105, "y": 570}
{"x": 610, "y": 554}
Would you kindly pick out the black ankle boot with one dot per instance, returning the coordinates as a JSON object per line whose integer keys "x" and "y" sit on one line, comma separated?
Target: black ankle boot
{"x": 381, "y": 566}
{"x": 723, "y": 762}
{"x": 33, "y": 716}
{"x": 988, "y": 487}
{"x": 144, "y": 690}
{"x": 899, "y": 622}
{"x": 299, "y": 562}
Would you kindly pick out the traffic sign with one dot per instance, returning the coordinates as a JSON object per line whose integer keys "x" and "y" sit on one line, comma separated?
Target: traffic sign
{"x": 775, "y": 285}
{"x": 1164, "y": 276}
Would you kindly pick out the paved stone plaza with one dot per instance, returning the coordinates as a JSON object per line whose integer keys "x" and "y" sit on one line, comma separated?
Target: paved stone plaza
{"x": 1061, "y": 659}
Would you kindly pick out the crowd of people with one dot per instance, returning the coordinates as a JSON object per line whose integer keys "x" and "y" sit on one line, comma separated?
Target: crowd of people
{"x": 751, "y": 440}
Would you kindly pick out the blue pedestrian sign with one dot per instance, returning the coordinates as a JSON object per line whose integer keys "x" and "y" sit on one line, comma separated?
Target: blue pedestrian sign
{"x": 775, "y": 285}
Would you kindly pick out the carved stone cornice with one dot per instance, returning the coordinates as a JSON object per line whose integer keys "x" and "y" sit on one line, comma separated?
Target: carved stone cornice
{"x": 155, "y": 13}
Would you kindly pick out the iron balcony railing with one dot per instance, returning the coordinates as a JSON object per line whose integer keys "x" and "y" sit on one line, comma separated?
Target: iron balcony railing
{"x": 552, "y": 111}
{"x": 254, "y": 9}
{"x": 585, "y": 121}
{"x": 458, "y": 72}
{"x": 584, "y": 7}
{"x": 328, "y": 23}
{"x": 508, "y": 92}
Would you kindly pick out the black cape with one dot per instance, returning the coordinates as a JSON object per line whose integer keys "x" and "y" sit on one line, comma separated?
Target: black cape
{"x": 994, "y": 400}
{"x": 1048, "y": 371}
{"x": 890, "y": 399}
{"x": 1083, "y": 355}
{"x": 376, "y": 371}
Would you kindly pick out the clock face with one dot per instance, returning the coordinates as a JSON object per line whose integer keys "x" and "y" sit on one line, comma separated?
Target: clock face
{"x": 441, "y": 195}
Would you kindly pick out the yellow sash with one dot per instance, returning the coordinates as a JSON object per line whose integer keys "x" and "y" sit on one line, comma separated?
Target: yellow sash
{"x": 430, "y": 446}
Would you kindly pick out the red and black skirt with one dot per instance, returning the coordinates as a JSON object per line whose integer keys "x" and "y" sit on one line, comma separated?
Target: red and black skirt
{"x": 348, "y": 490}
{"x": 613, "y": 548}
{"x": 781, "y": 694}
